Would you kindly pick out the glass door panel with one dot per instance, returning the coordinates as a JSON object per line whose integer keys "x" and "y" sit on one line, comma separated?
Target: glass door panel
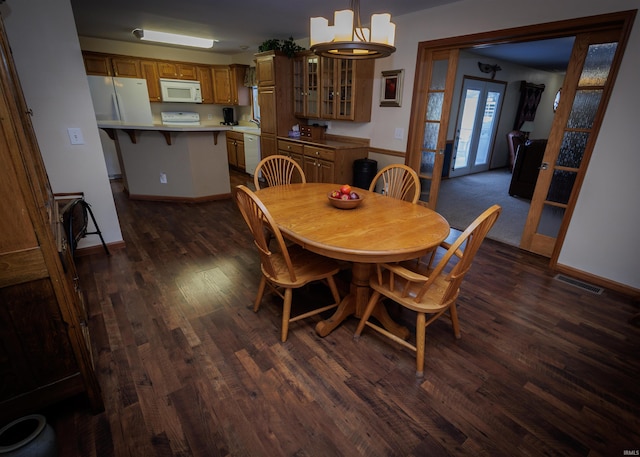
{"x": 477, "y": 126}
{"x": 312, "y": 108}
{"x": 327, "y": 90}
{"x": 439, "y": 74}
{"x": 571, "y": 141}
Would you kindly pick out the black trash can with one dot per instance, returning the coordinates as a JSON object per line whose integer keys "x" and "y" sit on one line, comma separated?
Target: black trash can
{"x": 364, "y": 170}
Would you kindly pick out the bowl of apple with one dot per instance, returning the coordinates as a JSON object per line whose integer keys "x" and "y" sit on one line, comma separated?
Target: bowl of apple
{"x": 345, "y": 197}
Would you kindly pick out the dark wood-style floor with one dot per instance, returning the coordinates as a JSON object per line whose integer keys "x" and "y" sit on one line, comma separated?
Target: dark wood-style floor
{"x": 188, "y": 369}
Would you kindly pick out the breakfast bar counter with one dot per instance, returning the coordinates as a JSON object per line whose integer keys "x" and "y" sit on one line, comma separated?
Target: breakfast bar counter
{"x": 171, "y": 162}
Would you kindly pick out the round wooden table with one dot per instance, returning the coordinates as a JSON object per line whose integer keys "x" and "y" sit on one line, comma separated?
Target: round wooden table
{"x": 381, "y": 229}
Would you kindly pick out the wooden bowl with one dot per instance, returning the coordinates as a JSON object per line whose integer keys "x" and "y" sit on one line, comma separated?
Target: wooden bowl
{"x": 344, "y": 204}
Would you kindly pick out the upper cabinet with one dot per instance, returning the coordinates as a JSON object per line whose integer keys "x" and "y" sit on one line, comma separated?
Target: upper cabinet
{"x": 177, "y": 70}
{"x": 306, "y": 86}
{"x": 150, "y": 73}
{"x": 126, "y": 67}
{"x": 346, "y": 89}
{"x": 206, "y": 83}
{"x": 97, "y": 64}
{"x": 221, "y": 84}
{"x": 228, "y": 85}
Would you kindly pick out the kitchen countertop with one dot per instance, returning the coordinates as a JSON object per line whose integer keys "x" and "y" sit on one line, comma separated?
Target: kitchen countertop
{"x": 330, "y": 143}
{"x": 203, "y": 127}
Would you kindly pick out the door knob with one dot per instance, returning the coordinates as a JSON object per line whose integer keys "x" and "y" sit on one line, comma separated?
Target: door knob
{"x": 544, "y": 166}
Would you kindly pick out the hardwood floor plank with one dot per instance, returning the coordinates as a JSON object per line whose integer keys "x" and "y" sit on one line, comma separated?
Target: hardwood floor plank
{"x": 188, "y": 369}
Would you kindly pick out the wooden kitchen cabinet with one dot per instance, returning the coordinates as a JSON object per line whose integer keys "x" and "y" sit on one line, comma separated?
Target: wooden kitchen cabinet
{"x": 324, "y": 163}
{"x": 228, "y": 85}
{"x": 346, "y": 88}
{"x": 206, "y": 83}
{"x": 319, "y": 164}
{"x": 45, "y": 352}
{"x": 150, "y": 73}
{"x": 97, "y": 64}
{"x": 126, "y": 67}
{"x": 274, "y": 72}
{"x": 177, "y": 70}
{"x": 306, "y": 86}
{"x": 235, "y": 149}
{"x": 293, "y": 150}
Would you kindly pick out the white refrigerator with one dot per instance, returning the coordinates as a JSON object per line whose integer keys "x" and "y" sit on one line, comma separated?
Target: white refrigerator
{"x": 121, "y": 99}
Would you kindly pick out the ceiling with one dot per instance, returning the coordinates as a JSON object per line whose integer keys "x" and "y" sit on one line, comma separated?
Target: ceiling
{"x": 244, "y": 26}
{"x": 236, "y": 25}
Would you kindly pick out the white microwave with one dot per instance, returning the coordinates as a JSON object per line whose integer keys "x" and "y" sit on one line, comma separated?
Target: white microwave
{"x": 178, "y": 90}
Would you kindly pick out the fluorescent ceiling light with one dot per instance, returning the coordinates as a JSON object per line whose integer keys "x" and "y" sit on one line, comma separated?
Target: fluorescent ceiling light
{"x": 172, "y": 38}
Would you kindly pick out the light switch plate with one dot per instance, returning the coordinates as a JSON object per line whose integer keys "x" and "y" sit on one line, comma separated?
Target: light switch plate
{"x": 75, "y": 135}
{"x": 399, "y": 133}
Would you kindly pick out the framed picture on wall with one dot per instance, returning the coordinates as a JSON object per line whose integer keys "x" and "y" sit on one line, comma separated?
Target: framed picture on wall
{"x": 391, "y": 88}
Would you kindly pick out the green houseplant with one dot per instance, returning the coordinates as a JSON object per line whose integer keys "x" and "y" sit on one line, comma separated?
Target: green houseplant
{"x": 288, "y": 46}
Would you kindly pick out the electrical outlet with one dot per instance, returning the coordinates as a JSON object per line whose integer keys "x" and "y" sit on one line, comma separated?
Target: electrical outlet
{"x": 163, "y": 178}
{"x": 75, "y": 135}
{"x": 399, "y": 133}
{"x": 210, "y": 117}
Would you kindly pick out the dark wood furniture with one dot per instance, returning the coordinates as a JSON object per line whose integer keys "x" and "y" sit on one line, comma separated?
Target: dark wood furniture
{"x": 514, "y": 139}
{"x": 526, "y": 168}
{"x": 45, "y": 350}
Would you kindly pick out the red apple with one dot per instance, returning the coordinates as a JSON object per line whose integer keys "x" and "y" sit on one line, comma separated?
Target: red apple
{"x": 345, "y": 189}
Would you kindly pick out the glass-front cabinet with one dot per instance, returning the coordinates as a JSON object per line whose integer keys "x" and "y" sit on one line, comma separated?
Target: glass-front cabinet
{"x": 306, "y": 88}
{"x": 327, "y": 88}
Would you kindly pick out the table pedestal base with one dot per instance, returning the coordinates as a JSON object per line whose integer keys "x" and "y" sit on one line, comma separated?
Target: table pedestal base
{"x": 355, "y": 304}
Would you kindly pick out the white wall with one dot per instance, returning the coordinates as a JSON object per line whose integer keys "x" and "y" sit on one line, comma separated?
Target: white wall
{"x": 602, "y": 237}
{"x": 42, "y": 35}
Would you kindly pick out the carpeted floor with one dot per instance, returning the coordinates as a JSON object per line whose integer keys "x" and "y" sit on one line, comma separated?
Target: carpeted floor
{"x": 462, "y": 199}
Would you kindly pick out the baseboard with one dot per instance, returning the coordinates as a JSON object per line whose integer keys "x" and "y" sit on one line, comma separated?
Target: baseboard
{"x": 169, "y": 199}
{"x": 98, "y": 249}
{"x": 597, "y": 280}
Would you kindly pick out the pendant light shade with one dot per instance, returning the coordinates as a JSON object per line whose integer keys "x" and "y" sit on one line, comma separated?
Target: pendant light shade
{"x": 347, "y": 39}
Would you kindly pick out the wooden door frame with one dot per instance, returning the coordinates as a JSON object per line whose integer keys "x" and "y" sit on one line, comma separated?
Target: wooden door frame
{"x": 622, "y": 20}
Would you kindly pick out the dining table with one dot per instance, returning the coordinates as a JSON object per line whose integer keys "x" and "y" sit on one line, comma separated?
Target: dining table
{"x": 380, "y": 229}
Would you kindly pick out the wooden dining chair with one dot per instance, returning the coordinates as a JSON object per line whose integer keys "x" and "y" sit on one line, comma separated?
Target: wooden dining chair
{"x": 284, "y": 267}
{"x": 426, "y": 289}
{"x": 398, "y": 181}
{"x": 278, "y": 170}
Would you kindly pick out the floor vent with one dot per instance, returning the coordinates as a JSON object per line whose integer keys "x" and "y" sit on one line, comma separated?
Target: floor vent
{"x": 581, "y": 284}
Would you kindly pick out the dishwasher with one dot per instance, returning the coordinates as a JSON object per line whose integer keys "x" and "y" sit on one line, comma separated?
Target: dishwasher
{"x": 251, "y": 151}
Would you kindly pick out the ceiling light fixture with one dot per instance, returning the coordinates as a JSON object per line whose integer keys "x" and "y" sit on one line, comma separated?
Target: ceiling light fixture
{"x": 347, "y": 39}
{"x": 172, "y": 38}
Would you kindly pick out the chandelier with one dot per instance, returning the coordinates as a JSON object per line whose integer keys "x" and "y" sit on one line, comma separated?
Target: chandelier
{"x": 347, "y": 39}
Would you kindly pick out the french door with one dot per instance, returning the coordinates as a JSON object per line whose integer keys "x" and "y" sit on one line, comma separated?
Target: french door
{"x": 598, "y": 48}
{"x": 428, "y": 136}
{"x": 478, "y": 116}
{"x": 585, "y": 91}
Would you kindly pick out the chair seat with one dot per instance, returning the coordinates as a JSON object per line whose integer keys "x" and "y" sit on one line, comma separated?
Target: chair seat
{"x": 307, "y": 266}
{"x": 430, "y": 303}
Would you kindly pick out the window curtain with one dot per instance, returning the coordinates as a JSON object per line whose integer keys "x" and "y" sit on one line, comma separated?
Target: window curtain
{"x": 530, "y": 95}
{"x": 250, "y": 77}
